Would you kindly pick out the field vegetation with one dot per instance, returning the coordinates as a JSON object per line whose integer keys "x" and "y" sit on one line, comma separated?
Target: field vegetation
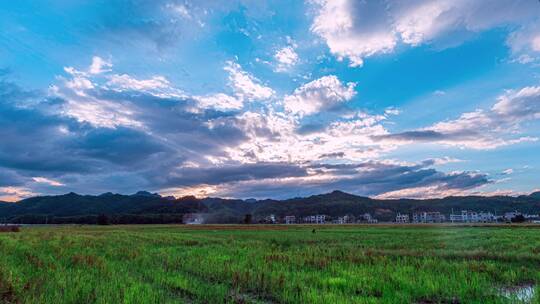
{"x": 269, "y": 264}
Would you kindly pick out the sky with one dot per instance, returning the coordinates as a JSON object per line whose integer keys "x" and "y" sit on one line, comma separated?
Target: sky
{"x": 269, "y": 99}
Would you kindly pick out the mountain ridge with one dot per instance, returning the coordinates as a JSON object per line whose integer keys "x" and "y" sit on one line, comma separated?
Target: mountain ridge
{"x": 154, "y": 207}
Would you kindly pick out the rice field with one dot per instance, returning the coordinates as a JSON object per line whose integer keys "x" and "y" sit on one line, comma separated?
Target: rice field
{"x": 270, "y": 264}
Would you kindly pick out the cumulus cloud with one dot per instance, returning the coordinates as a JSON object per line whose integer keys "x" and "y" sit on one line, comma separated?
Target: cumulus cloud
{"x": 276, "y": 137}
{"x": 220, "y": 101}
{"x": 353, "y": 29}
{"x": 325, "y": 93}
{"x": 245, "y": 85}
{"x": 126, "y": 82}
{"x": 525, "y": 43}
{"x": 99, "y": 65}
{"x": 82, "y": 138}
{"x": 482, "y": 129}
{"x": 359, "y": 29}
{"x": 286, "y": 58}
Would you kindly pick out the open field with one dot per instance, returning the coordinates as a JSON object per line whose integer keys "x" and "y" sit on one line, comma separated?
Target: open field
{"x": 269, "y": 264}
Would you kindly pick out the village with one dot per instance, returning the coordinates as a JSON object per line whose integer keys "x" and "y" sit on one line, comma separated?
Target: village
{"x": 423, "y": 217}
{"x": 419, "y": 217}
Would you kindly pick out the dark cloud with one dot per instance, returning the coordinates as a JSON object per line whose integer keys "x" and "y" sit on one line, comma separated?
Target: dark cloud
{"x": 233, "y": 173}
{"x": 37, "y": 142}
{"x": 10, "y": 178}
{"x": 427, "y": 136}
{"x": 121, "y": 146}
{"x": 332, "y": 155}
{"x": 369, "y": 179}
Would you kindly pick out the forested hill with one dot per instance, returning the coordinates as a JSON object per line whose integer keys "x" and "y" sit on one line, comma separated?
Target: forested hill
{"x": 144, "y": 207}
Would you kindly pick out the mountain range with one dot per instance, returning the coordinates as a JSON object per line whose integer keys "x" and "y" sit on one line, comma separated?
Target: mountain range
{"x": 146, "y": 207}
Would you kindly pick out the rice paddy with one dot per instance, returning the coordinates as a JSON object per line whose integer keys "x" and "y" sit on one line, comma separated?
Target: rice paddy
{"x": 270, "y": 264}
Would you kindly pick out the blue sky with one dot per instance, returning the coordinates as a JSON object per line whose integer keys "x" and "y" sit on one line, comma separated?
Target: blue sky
{"x": 272, "y": 99}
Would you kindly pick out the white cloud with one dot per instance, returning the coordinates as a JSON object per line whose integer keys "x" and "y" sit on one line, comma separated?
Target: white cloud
{"x": 220, "y": 101}
{"x": 125, "y": 82}
{"x": 84, "y": 107}
{"x": 525, "y": 59}
{"x": 354, "y": 30}
{"x": 483, "y": 129}
{"x": 13, "y": 194}
{"x": 99, "y": 65}
{"x": 50, "y": 182}
{"x": 245, "y": 85}
{"x": 181, "y": 12}
{"x": 391, "y": 111}
{"x": 508, "y": 171}
{"x": 79, "y": 81}
{"x": 179, "y": 9}
{"x": 101, "y": 113}
{"x": 359, "y": 29}
{"x": 445, "y": 160}
{"x": 423, "y": 192}
{"x": 324, "y": 93}
{"x": 525, "y": 43}
{"x": 286, "y": 58}
{"x": 276, "y": 137}
{"x": 439, "y": 93}
{"x": 515, "y": 107}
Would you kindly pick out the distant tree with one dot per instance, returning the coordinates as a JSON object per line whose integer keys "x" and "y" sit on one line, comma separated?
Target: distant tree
{"x": 103, "y": 219}
{"x": 518, "y": 219}
{"x": 248, "y": 218}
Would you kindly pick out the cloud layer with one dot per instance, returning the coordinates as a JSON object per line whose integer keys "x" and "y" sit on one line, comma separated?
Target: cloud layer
{"x": 96, "y": 128}
{"x": 355, "y": 30}
{"x": 481, "y": 129}
{"x": 243, "y": 99}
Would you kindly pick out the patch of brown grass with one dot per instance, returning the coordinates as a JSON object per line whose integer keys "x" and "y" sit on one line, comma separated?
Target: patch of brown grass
{"x": 7, "y": 293}
{"x": 87, "y": 260}
{"x": 9, "y": 228}
{"x": 236, "y": 227}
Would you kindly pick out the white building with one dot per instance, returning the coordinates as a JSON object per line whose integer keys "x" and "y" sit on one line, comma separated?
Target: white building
{"x": 487, "y": 217}
{"x": 366, "y": 218}
{"x": 192, "y": 219}
{"x": 270, "y": 219}
{"x": 343, "y": 220}
{"x": 315, "y": 219}
{"x": 428, "y": 217}
{"x": 290, "y": 219}
{"x": 402, "y": 218}
{"x": 472, "y": 217}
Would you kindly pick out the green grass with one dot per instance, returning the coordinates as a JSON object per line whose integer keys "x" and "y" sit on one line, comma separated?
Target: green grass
{"x": 272, "y": 264}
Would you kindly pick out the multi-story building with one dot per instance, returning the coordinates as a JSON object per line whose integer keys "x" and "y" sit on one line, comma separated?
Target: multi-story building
{"x": 315, "y": 219}
{"x": 290, "y": 219}
{"x": 402, "y": 218}
{"x": 486, "y": 217}
{"x": 366, "y": 218}
{"x": 472, "y": 217}
{"x": 428, "y": 217}
{"x": 465, "y": 217}
{"x": 346, "y": 219}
